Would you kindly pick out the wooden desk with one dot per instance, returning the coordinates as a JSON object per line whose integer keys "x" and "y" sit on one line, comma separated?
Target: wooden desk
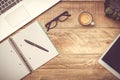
{"x": 79, "y": 47}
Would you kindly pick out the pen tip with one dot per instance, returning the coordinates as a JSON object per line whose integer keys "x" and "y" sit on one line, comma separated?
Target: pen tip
{"x": 24, "y": 39}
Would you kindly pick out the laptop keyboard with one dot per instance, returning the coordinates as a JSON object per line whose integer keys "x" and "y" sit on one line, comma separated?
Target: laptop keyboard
{"x": 7, "y": 4}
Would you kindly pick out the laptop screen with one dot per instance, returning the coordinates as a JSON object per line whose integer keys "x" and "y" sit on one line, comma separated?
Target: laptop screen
{"x": 112, "y": 57}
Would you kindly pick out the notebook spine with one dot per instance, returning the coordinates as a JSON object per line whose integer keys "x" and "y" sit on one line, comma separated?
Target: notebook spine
{"x": 20, "y": 54}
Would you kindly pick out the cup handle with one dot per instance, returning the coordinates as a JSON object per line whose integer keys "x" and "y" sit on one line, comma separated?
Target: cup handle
{"x": 92, "y": 23}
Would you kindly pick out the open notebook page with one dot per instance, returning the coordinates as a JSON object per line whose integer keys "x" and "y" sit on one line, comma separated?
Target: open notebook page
{"x": 35, "y": 56}
{"x": 11, "y": 65}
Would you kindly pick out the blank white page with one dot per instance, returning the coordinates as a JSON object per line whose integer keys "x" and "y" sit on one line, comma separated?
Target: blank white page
{"x": 11, "y": 65}
{"x": 35, "y": 56}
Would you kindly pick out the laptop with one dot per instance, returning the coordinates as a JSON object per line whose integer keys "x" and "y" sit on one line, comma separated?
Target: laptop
{"x": 111, "y": 58}
{"x": 16, "y": 13}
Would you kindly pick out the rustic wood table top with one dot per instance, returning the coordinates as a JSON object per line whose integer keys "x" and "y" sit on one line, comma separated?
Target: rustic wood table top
{"x": 79, "y": 47}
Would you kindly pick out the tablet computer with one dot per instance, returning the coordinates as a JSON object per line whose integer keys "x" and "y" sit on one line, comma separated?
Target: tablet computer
{"x": 111, "y": 58}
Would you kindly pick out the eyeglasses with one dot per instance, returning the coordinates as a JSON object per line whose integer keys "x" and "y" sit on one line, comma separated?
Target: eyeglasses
{"x": 53, "y": 23}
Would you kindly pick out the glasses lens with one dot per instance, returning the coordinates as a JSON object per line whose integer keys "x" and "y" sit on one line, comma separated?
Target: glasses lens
{"x": 63, "y": 18}
{"x": 53, "y": 24}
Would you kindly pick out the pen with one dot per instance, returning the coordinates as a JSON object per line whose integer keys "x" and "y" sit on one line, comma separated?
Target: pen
{"x": 33, "y": 44}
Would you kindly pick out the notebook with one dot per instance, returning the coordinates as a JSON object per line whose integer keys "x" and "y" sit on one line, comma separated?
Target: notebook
{"x": 27, "y": 57}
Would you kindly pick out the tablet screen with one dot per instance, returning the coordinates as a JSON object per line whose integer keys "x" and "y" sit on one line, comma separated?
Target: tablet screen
{"x": 112, "y": 57}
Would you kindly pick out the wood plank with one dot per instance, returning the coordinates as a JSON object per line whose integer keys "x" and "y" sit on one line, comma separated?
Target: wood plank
{"x": 74, "y": 61}
{"x": 87, "y": 40}
{"x": 74, "y": 8}
{"x": 71, "y": 74}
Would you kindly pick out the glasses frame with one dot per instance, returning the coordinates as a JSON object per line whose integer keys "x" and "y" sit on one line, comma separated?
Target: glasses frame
{"x": 48, "y": 25}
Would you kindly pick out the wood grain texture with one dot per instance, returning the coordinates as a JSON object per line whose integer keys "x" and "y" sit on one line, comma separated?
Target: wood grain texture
{"x": 87, "y": 41}
{"x": 70, "y": 74}
{"x": 79, "y": 47}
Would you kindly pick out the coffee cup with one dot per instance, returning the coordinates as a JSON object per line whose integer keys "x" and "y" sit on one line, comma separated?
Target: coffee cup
{"x": 86, "y": 19}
